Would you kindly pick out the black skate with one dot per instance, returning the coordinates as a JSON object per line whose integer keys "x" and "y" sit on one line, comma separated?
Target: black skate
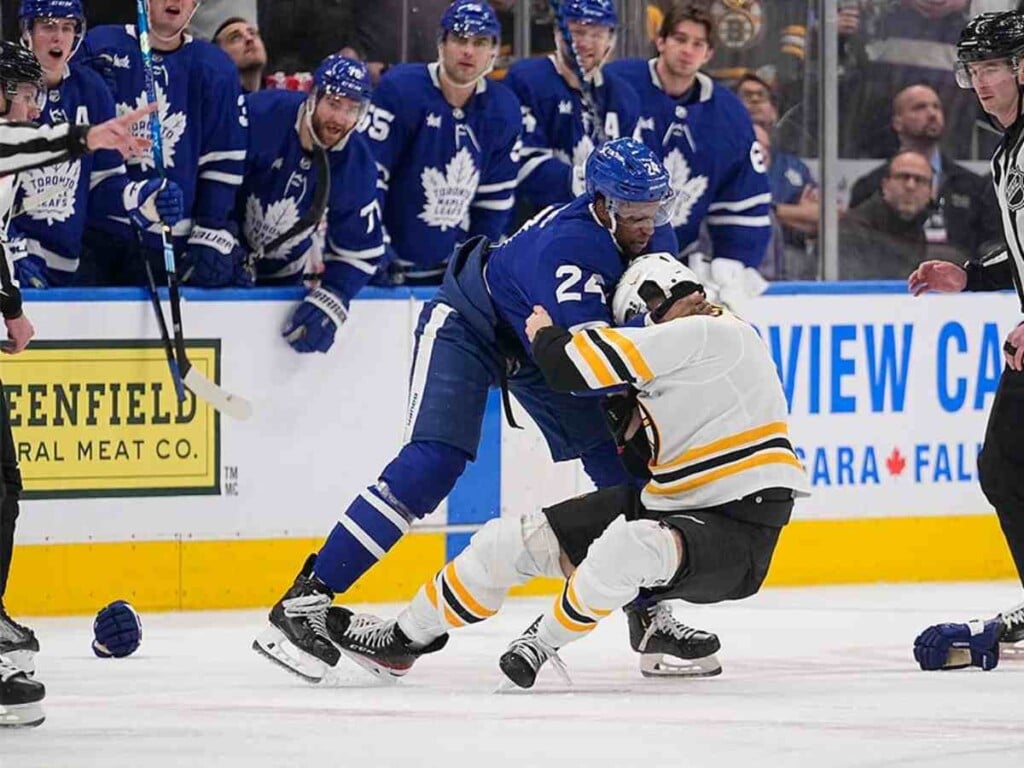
{"x": 655, "y": 634}
{"x": 378, "y": 646}
{"x": 20, "y": 697}
{"x": 526, "y": 655}
{"x": 18, "y": 643}
{"x": 1011, "y": 641}
{"x": 297, "y": 638}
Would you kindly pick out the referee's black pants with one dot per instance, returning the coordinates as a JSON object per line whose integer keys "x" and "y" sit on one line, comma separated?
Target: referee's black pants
{"x": 1001, "y": 463}
{"x": 10, "y": 492}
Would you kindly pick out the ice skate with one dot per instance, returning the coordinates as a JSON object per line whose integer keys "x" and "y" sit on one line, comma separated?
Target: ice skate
{"x": 20, "y": 697}
{"x": 526, "y": 655}
{"x": 18, "y": 643}
{"x": 297, "y": 638}
{"x": 1011, "y": 641}
{"x": 669, "y": 648}
{"x": 377, "y": 645}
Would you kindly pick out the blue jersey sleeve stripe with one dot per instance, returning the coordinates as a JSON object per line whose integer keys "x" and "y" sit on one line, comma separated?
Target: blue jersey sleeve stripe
{"x": 741, "y": 205}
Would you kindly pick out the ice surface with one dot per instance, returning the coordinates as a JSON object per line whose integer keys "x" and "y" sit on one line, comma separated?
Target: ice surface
{"x": 820, "y": 677}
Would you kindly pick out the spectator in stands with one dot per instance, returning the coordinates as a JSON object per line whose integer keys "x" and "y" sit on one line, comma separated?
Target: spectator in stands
{"x": 883, "y": 237}
{"x": 912, "y": 42}
{"x": 794, "y": 191}
{"x": 240, "y": 39}
{"x": 966, "y": 215}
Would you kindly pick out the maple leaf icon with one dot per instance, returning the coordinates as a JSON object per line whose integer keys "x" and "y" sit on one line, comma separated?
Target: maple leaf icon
{"x": 688, "y": 190}
{"x": 447, "y": 195}
{"x": 895, "y": 463}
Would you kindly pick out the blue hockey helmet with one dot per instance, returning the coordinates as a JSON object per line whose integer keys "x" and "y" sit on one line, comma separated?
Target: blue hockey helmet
{"x": 627, "y": 171}
{"x": 600, "y": 13}
{"x": 341, "y": 76}
{"x": 470, "y": 18}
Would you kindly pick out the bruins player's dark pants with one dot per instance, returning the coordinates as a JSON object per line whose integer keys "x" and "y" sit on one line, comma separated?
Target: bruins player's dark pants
{"x": 10, "y": 488}
{"x": 1001, "y": 463}
{"x": 728, "y": 548}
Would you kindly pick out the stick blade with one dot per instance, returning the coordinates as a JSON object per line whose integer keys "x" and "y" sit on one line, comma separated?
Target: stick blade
{"x": 233, "y": 405}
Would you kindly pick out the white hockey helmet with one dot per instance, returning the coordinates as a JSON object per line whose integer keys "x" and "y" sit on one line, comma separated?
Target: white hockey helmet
{"x": 651, "y": 276}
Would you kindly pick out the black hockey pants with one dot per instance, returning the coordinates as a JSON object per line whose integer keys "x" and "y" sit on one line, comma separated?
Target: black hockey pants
{"x": 10, "y": 488}
{"x": 1001, "y": 463}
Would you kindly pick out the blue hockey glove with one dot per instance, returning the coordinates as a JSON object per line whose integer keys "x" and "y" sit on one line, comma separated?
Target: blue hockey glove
{"x": 315, "y": 321}
{"x": 103, "y": 65}
{"x": 153, "y": 201}
{"x": 955, "y": 646}
{"x": 117, "y": 631}
{"x": 29, "y": 270}
{"x": 215, "y": 259}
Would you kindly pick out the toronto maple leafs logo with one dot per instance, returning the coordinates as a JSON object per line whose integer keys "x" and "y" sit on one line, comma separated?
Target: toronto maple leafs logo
{"x": 688, "y": 191}
{"x": 446, "y": 196}
{"x": 172, "y": 126}
{"x": 50, "y": 192}
{"x": 263, "y": 225}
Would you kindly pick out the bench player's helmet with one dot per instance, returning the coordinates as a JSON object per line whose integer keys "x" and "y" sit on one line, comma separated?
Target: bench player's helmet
{"x": 467, "y": 18}
{"x": 649, "y": 277}
{"x": 626, "y": 171}
{"x": 600, "y": 13}
{"x": 340, "y": 76}
{"x": 52, "y": 9}
{"x": 18, "y": 66}
{"x": 989, "y": 36}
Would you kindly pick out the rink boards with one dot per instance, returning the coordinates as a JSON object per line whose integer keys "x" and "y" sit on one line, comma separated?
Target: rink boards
{"x": 131, "y": 495}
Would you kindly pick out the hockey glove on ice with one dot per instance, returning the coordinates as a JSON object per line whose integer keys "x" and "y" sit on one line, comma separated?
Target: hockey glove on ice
{"x": 153, "y": 201}
{"x": 949, "y": 646}
{"x": 117, "y": 631}
{"x": 315, "y": 321}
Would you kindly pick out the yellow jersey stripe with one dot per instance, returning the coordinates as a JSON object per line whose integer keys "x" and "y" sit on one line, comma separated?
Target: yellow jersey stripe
{"x": 463, "y": 594}
{"x": 593, "y": 360}
{"x": 759, "y": 460}
{"x": 628, "y": 348}
{"x": 577, "y": 604}
{"x": 431, "y": 591}
{"x": 733, "y": 441}
{"x": 452, "y": 618}
{"x": 563, "y": 618}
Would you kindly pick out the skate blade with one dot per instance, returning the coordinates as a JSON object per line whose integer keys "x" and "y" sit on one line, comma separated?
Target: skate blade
{"x": 1011, "y": 652}
{"x": 660, "y": 665}
{"x": 273, "y": 644}
{"x": 22, "y": 715}
{"x": 386, "y": 674}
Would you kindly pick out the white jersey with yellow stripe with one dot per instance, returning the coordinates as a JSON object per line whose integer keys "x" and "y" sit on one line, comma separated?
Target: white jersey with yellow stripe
{"x": 712, "y": 405}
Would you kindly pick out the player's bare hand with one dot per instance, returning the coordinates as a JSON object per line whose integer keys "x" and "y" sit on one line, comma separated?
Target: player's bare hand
{"x": 19, "y": 334}
{"x": 538, "y": 320}
{"x": 1013, "y": 348}
{"x": 694, "y": 304}
{"x": 849, "y": 21}
{"x": 117, "y": 133}
{"x": 942, "y": 276}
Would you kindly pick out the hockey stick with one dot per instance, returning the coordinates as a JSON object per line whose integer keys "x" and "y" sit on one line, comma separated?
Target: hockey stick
{"x": 219, "y": 398}
{"x": 597, "y": 134}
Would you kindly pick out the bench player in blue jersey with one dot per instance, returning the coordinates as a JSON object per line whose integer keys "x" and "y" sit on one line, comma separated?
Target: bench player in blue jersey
{"x": 557, "y": 134}
{"x": 306, "y": 159}
{"x": 470, "y": 338}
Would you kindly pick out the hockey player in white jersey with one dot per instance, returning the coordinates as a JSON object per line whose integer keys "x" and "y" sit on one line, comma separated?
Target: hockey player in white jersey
{"x": 55, "y": 202}
{"x": 558, "y": 134}
{"x": 989, "y": 56}
{"x": 704, "y": 136}
{"x": 305, "y": 159}
{"x": 723, "y": 477}
{"x": 446, "y": 144}
{"x": 203, "y": 120}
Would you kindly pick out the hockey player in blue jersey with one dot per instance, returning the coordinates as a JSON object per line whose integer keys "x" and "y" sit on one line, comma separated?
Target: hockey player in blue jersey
{"x": 202, "y": 117}
{"x": 705, "y": 137}
{"x": 305, "y": 158}
{"x": 55, "y": 202}
{"x": 470, "y": 338}
{"x": 446, "y": 144}
{"x": 557, "y": 132}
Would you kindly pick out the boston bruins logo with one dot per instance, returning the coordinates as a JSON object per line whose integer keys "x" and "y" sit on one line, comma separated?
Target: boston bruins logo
{"x": 1015, "y": 189}
{"x": 739, "y": 24}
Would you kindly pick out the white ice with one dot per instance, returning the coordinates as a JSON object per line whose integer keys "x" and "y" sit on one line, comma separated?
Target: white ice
{"x": 819, "y": 677}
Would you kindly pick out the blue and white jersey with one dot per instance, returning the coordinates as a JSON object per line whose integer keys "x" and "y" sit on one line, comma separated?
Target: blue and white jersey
{"x": 445, "y": 173}
{"x": 706, "y": 141}
{"x": 556, "y": 125}
{"x": 279, "y": 189}
{"x": 202, "y": 119}
{"x": 56, "y": 202}
{"x": 564, "y": 260}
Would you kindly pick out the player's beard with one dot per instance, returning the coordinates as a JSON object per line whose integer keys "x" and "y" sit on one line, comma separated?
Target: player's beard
{"x": 337, "y": 131}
